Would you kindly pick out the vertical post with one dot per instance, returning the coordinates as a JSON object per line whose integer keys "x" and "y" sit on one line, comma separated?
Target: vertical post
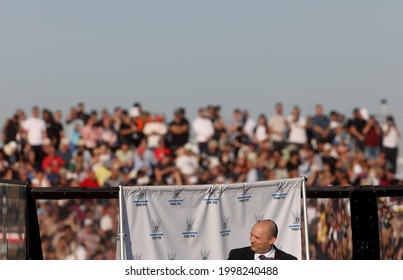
{"x": 305, "y": 218}
{"x": 121, "y": 234}
{"x": 33, "y": 238}
{"x": 364, "y": 223}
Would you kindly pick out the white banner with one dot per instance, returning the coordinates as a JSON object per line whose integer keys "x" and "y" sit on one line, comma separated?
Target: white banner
{"x": 206, "y": 221}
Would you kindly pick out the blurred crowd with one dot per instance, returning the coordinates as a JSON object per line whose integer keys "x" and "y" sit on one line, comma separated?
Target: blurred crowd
{"x": 132, "y": 146}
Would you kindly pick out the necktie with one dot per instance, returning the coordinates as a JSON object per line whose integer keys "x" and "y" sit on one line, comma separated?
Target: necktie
{"x": 262, "y": 257}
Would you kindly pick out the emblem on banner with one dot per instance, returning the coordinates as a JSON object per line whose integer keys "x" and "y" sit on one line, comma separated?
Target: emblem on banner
{"x": 245, "y": 194}
{"x": 204, "y": 254}
{"x": 189, "y": 231}
{"x": 141, "y": 199}
{"x": 137, "y": 256}
{"x": 213, "y": 196}
{"x": 176, "y": 200}
{"x": 225, "y": 231}
{"x": 259, "y": 217}
{"x": 280, "y": 194}
{"x": 171, "y": 256}
{"x": 156, "y": 231}
{"x": 296, "y": 221}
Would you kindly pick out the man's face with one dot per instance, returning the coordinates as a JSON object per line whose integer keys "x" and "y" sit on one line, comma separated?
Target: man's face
{"x": 260, "y": 240}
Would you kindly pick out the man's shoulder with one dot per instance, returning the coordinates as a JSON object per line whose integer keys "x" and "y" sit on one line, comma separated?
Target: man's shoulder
{"x": 281, "y": 255}
{"x": 247, "y": 248}
{"x": 240, "y": 253}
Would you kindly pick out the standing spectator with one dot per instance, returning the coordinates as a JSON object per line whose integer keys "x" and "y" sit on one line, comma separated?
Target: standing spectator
{"x": 108, "y": 134}
{"x": 261, "y": 131}
{"x": 81, "y": 113}
{"x": 116, "y": 118}
{"x": 391, "y": 135}
{"x": 128, "y": 129}
{"x": 54, "y": 129}
{"x": 241, "y": 139}
{"x": 320, "y": 125}
{"x": 11, "y": 129}
{"x": 373, "y": 136}
{"x": 220, "y": 130}
{"x": 203, "y": 129}
{"x": 249, "y": 124}
{"x": 235, "y": 123}
{"x": 297, "y": 125}
{"x": 90, "y": 133}
{"x": 155, "y": 130}
{"x": 278, "y": 128}
{"x": 218, "y": 121}
{"x": 35, "y": 129}
{"x": 72, "y": 127}
{"x": 355, "y": 127}
{"x": 139, "y": 116}
{"x": 178, "y": 130}
{"x": 58, "y": 127}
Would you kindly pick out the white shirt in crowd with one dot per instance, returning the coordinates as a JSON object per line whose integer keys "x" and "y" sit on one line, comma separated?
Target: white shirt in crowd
{"x": 35, "y": 128}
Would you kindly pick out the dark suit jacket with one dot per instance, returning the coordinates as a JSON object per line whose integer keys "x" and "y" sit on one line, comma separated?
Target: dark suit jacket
{"x": 246, "y": 253}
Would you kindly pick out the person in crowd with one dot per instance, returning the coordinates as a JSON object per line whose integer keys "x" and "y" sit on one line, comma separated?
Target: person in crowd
{"x": 236, "y": 122}
{"x": 390, "y": 143}
{"x": 263, "y": 235}
{"x": 178, "y": 130}
{"x": 261, "y": 130}
{"x": 81, "y": 112}
{"x": 11, "y": 129}
{"x": 278, "y": 128}
{"x": 128, "y": 130}
{"x": 373, "y": 138}
{"x": 355, "y": 127}
{"x": 187, "y": 163}
{"x": 249, "y": 124}
{"x": 298, "y": 125}
{"x": 155, "y": 129}
{"x": 35, "y": 129}
{"x": 203, "y": 129}
{"x": 320, "y": 124}
{"x": 52, "y": 160}
{"x": 72, "y": 127}
{"x": 108, "y": 134}
{"x": 166, "y": 172}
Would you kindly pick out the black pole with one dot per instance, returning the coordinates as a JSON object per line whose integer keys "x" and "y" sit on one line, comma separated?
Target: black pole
{"x": 33, "y": 238}
{"x": 364, "y": 223}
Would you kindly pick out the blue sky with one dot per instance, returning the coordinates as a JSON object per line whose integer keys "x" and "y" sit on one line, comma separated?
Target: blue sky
{"x": 164, "y": 54}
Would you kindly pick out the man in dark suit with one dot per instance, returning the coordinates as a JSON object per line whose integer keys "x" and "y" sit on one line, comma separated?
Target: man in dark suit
{"x": 262, "y": 237}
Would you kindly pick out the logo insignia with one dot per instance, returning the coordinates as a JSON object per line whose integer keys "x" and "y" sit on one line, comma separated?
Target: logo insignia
{"x": 141, "y": 199}
{"x": 189, "y": 231}
{"x": 156, "y": 229}
{"x": 259, "y": 217}
{"x": 245, "y": 196}
{"x": 171, "y": 256}
{"x": 204, "y": 254}
{"x": 176, "y": 200}
{"x": 225, "y": 231}
{"x": 296, "y": 221}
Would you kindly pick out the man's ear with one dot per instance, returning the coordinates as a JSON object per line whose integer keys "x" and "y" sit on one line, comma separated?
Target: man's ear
{"x": 272, "y": 239}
